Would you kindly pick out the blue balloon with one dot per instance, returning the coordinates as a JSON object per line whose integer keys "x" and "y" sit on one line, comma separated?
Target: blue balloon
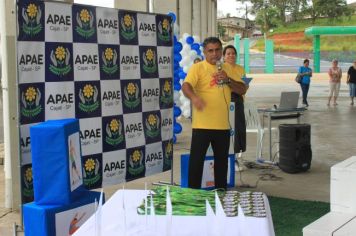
{"x": 174, "y": 138}
{"x": 195, "y": 46}
{"x": 177, "y": 129}
{"x": 189, "y": 40}
{"x": 198, "y": 51}
{"x": 177, "y": 47}
{"x": 182, "y": 75}
{"x": 177, "y": 57}
{"x": 175, "y": 39}
{"x": 176, "y": 79}
{"x": 177, "y": 111}
{"x": 177, "y": 86}
{"x": 176, "y": 67}
{"x": 171, "y": 14}
{"x": 176, "y": 74}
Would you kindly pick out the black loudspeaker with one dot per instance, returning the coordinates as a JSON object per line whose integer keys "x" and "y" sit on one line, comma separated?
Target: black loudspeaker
{"x": 295, "y": 152}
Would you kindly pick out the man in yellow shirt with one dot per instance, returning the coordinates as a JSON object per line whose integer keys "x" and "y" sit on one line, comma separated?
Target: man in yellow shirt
{"x": 208, "y": 85}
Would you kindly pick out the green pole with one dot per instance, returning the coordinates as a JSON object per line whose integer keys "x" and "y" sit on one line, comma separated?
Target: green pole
{"x": 316, "y": 48}
{"x": 237, "y": 47}
{"x": 269, "y": 57}
{"x": 247, "y": 55}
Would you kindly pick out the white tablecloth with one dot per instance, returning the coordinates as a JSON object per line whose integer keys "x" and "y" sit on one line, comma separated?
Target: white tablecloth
{"x": 115, "y": 222}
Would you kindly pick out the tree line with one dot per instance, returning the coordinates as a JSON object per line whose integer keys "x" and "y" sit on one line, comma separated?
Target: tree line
{"x": 272, "y": 13}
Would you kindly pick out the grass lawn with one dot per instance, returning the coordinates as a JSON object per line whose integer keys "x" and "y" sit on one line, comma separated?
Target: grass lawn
{"x": 291, "y": 216}
{"x": 290, "y": 40}
{"x": 302, "y": 24}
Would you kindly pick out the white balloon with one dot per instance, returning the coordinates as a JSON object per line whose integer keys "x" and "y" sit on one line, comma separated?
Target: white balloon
{"x": 193, "y": 53}
{"x": 196, "y": 38}
{"x": 176, "y": 96}
{"x": 184, "y": 53}
{"x": 182, "y": 99}
{"x": 186, "y": 60}
{"x": 186, "y": 47}
{"x": 186, "y": 69}
{"x": 176, "y": 29}
{"x": 186, "y": 113}
{"x": 186, "y": 103}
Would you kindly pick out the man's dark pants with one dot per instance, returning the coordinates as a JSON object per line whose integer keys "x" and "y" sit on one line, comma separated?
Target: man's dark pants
{"x": 220, "y": 142}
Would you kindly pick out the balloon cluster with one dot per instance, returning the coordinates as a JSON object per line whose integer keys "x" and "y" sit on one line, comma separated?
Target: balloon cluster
{"x": 186, "y": 50}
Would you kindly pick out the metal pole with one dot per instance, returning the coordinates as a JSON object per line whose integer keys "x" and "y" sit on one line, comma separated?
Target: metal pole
{"x": 237, "y": 47}
{"x": 316, "y": 47}
{"x": 269, "y": 56}
{"x": 270, "y": 135}
{"x": 247, "y": 55}
{"x": 10, "y": 112}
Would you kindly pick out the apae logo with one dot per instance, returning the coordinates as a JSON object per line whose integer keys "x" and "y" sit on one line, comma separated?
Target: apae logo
{"x": 28, "y": 182}
{"x": 25, "y": 143}
{"x": 60, "y": 101}
{"x": 32, "y": 20}
{"x": 164, "y": 28}
{"x": 136, "y": 162}
{"x": 57, "y": 21}
{"x": 31, "y": 62}
{"x": 85, "y": 21}
{"x": 168, "y": 154}
{"x": 88, "y": 96}
{"x": 152, "y": 125}
{"x": 109, "y": 57}
{"x": 90, "y": 134}
{"x": 149, "y": 61}
{"x": 131, "y": 95}
{"x": 167, "y": 122}
{"x": 60, "y": 61}
{"x": 86, "y": 62}
{"x": 31, "y": 102}
{"x": 128, "y": 27}
{"x": 114, "y": 132}
{"x": 118, "y": 166}
{"x": 147, "y": 27}
{"x": 91, "y": 173}
{"x": 167, "y": 96}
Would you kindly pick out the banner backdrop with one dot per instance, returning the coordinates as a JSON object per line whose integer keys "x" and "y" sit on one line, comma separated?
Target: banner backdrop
{"x": 110, "y": 68}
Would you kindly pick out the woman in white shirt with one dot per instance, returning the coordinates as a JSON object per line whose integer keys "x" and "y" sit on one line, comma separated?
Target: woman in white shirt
{"x": 335, "y": 75}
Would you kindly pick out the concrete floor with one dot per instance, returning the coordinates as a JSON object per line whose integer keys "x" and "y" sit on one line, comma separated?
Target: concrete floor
{"x": 332, "y": 139}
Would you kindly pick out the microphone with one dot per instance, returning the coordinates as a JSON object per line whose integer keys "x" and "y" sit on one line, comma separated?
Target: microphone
{"x": 219, "y": 68}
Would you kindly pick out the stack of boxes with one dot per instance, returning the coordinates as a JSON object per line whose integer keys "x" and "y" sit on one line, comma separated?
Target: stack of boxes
{"x": 341, "y": 220}
{"x": 61, "y": 202}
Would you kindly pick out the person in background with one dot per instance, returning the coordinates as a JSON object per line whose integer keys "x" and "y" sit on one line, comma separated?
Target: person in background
{"x": 229, "y": 55}
{"x": 335, "y": 75}
{"x": 208, "y": 85}
{"x": 196, "y": 60}
{"x": 306, "y": 72}
{"x": 351, "y": 81}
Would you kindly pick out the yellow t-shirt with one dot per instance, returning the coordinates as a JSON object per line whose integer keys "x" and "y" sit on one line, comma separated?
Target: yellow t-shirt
{"x": 215, "y": 115}
{"x": 239, "y": 71}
